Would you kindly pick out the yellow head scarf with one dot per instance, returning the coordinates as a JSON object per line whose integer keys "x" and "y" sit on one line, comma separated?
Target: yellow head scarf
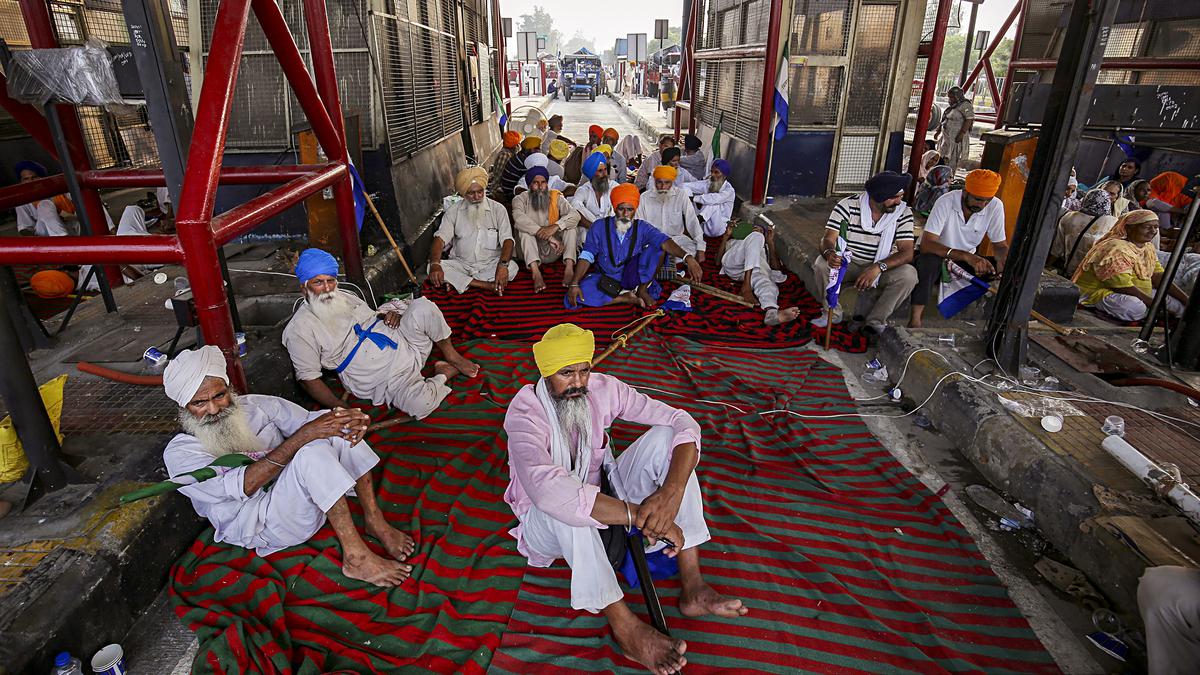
{"x": 563, "y": 345}
{"x": 1114, "y": 254}
{"x": 605, "y": 148}
{"x": 559, "y": 150}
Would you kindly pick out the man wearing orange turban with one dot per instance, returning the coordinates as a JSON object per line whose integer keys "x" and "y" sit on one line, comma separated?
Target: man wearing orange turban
{"x": 512, "y": 145}
{"x": 595, "y": 138}
{"x": 620, "y": 257}
{"x": 52, "y": 284}
{"x": 957, "y": 224}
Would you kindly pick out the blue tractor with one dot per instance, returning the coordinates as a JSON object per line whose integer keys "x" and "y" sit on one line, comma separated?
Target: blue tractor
{"x": 582, "y": 75}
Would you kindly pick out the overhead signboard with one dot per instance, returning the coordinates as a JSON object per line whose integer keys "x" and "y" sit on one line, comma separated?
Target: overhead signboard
{"x": 527, "y": 46}
{"x": 507, "y": 27}
{"x": 637, "y": 47}
{"x": 622, "y": 48}
{"x": 660, "y": 29}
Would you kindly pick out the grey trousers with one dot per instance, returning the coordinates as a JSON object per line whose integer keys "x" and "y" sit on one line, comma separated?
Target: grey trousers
{"x": 894, "y": 285}
{"x": 1169, "y": 601}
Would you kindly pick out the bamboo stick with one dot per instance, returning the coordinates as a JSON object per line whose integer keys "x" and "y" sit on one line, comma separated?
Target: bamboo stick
{"x": 828, "y": 326}
{"x": 717, "y": 293}
{"x": 388, "y": 234}
{"x": 622, "y": 339}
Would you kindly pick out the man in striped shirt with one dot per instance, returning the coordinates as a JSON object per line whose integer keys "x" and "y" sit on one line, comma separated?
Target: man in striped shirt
{"x": 876, "y": 230}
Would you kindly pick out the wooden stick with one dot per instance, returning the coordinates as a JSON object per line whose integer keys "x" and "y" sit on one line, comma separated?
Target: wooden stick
{"x": 623, "y": 338}
{"x": 828, "y": 326}
{"x": 378, "y": 218}
{"x": 718, "y": 293}
{"x": 389, "y": 423}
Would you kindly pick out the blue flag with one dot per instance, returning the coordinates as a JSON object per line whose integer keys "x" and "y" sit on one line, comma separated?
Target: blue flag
{"x": 833, "y": 288}
{"x": 360, "y": 197}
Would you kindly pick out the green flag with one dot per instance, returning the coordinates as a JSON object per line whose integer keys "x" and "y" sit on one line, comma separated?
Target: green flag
{"x": 716, "y": 139}
{"x": 219, "y": 466}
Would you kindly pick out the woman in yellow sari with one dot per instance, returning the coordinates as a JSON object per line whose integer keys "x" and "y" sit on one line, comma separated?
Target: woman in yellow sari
{"x": 1119, "y": 274}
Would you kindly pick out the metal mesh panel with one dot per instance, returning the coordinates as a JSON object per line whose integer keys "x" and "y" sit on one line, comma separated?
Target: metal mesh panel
{"x": 870, "y": 69}
{"x": 815, "y": 95}
{"x": 258, "y": 118}
{"x": 733, "y": 23}
{"x": 820, "y": 27}
{"x": 1178, "y": 39}
{"x": 12, "y": 25}
{"x": 856, "y": 157}
{"x": 750, "y": 83}
{"x": 1041, "y": 28}
{"x": 728, "y": 93}
{"x": 1125, "y": 40}
{"x": 399, "y": 106}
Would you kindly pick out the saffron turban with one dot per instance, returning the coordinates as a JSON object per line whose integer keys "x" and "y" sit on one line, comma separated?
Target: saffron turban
{"x": 563, "y": 345}
{"x": 983, "y": 183}
{"x": 536, "y": 159}
{"x": 670, "y": 154}
{"x": 469, "y": 176}
{"x": 531, "y": 143}
{"x": 605, "y": 148}
{"x": 52, "y": 284}
{"x": 692, "y": 142}
{"x": 722, "y": 166}
{"x": 595, "y": 130}
{"x": 593, "y": 162}
{"x": 315, "y": 262}
{"x": 511, "y": 139}
{"x": 886, "y": 184}
{"x": 611, "y": 132}
{"x": 559, "y": 150}
{"x": 626, "y": 193}
{"x": 534, "y": 172}
{"x": 665, "y": 172}
{"x": 186, "y": 372}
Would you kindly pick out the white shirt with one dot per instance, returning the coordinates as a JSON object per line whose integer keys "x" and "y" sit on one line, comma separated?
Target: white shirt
{"x": 473, "y": 243}
{"x": 672, "y": 213}
{"x": 946, "y": 221}
{"x": 716, "y": 208}
{"x": 589, "y": 205}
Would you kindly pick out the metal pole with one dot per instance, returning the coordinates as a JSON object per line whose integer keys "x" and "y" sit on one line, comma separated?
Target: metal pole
{"x": 1066, "y": 110}
{"x": 1160, "y": 295}
{"x": 936, "y": 45}
{"x": 991, "y": 48}
{"x": 967, "y": 46}
{"x": 762, "y": 149}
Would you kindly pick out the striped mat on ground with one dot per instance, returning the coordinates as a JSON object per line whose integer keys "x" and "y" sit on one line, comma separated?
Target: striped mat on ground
{"x": 847, "y": 562}
{"x": 523, "y": 315}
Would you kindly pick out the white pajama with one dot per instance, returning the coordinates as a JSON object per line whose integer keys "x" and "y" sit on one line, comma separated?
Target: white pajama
{"x": 640, "y": 470}
{"x": 1129, "y": 308}
{"x": 460, "y": 273}
{"x": 474, "y": 249}
{"x": 742, "y": 255}
{"x": 43, "y": 219}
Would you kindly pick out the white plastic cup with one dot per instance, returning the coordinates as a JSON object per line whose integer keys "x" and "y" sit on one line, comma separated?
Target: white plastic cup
{"x": 1030, "y": 375}
{"x": 110, "y": 661}
{"x": 1113, "y": 426}
{"x": 1052, "y": 423}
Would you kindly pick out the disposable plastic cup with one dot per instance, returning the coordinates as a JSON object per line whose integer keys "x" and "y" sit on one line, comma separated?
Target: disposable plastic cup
{"x": 1113, "y": 426}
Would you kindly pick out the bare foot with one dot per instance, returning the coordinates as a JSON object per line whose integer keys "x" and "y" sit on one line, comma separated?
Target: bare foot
{"x": 397, "y": 544}
{"x": 660, "y": 654}
{"x": 703, "y": 600}
{"x": 443, "y": 368}
{"x": 568, "y": 274}
{"x": 463, "y": 365}
{"x": 539, "y": 284}
{"x": 782, "y": 316}
{"x": 373, "y": 569}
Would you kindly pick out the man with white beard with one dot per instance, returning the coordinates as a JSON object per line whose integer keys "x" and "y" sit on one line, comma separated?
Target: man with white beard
{"x": 593, "y": 198}
{"x": 377, "y": 355}
{"x": 479, "y": 235}
{"x": 714, "y": 198}
{"x": 754, "y": 262}
{"x": 670, "y": 209}
{"x": 547, "y": 227}
{"x": 557, "y": 447}
{"x": 301, "y": 465}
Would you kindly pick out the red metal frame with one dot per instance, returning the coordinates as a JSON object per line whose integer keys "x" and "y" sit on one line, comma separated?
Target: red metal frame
{"x": 762, "y": 150}
{"x": 937, "y": 44}
{"x": 200, "y": 234}
{"x": 986, "y": 58}
{"x": 1022, "y": 6}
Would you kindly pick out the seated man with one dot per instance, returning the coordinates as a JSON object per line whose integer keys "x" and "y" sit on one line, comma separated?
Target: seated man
{"x": 44, "y": 217}
{"x": 1168, "y": 598}
{"x": 714, "y": 198}
{"x": 592, "y": 198}
{"x": 595, "y": 139}
{"x": 618, "y": 164}
{"x": 652, "y": 161}
{"x": 693, "y": 161}
{"x": 515, "y": 168}
{"x": 376, "y": 355}
{"x": 512, "y": 145}
{"x": 755, "y": 262}
{"x": 479, "y": 235}
{"x": 556, "y": 451}
{"x": 625, "y": 253}
{"x": 956, "y": 226}
{"x": 538, "y": 160}
{"x": 304, "y": 464}
{"x": 670, "y": 209}
{"x": 877, "y": 229}
{"x": 554, "y": 133}
{"x": 546, "y": 227}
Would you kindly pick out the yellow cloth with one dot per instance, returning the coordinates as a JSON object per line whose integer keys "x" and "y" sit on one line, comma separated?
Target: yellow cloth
{"x": 665, "y": 172}
{"x": 626, "y": 193}
{"x": 559, "y": 150}
{"x": 1116, "y": 263}
{"x": 563, "y": 345}
{"x": 1092, "y": 290}
{"x": 512, "y": 139}
{"x": 983, "y": 183}
{"x": 12, "y": 454}
{"x": 552, "y": 216}
{"x": 604, "y": 148}
{"x": 52, "y": 284}
{"x": 470, "y": 176}
{"x": 531, "y": 142}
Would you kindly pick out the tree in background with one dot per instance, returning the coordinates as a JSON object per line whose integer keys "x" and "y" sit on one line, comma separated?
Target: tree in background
{"x": 542, "y": 23}
{"x": 577, "y": 42}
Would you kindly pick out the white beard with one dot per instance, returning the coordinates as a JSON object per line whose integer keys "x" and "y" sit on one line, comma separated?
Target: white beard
{"x": 574, "y": 419}
{"x": 715, "y": 184}
{"x": 225, "y": 433}
{"x": 475, "y": 213}
{"x": 540, "y": 200}
{"x": 333, "y": 308}
{"x": 663, "y": 193}
{"x": 623, "y": 225}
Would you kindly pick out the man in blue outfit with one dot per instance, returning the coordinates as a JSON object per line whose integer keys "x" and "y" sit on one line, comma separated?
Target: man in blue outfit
{"x": 625, "y": 254}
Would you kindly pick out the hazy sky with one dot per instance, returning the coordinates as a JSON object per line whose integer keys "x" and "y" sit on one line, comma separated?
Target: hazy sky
{"x": 606, "y": 20}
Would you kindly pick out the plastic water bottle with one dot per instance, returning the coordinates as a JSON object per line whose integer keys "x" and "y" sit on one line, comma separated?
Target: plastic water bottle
{"x": 65, "y": 664}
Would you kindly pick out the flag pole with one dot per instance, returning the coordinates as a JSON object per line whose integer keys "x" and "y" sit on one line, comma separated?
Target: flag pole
{"x": 828, "y": 326}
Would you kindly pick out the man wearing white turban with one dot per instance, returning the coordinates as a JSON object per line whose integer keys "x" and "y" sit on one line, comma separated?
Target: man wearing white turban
{"x": 478, "y": 234}
{"x": 299, "y": 467}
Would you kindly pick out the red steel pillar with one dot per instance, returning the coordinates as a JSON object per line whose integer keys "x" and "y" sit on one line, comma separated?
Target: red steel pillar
{"x": 41, "y": 36}
{"x": 762, "y": 150}
{"x": 199, "y": 192}
{"x": 931, "y": 70}
{"x": 321, "y": 48}
{"x": 1002, "y": 102}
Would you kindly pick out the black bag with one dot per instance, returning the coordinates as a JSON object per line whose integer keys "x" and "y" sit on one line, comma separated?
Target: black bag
{"x": 609, "y": 286}
{"x": 613, "y": 538}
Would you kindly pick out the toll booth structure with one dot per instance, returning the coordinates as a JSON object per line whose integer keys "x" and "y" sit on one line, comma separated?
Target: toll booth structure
{"x": 200, "y": 233}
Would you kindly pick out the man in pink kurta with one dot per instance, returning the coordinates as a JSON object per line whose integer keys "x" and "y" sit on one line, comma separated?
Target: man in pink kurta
{"x": 558, "y": 445}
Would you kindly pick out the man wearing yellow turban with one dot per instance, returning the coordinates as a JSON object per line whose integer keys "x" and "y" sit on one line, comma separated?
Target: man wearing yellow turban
{"x": 625, "y": 253}
{"x": 670, "y": 209}
{"x": 478, "y": 234}
{"x": 556, "y": 451}
{"x": 957, "y": 224}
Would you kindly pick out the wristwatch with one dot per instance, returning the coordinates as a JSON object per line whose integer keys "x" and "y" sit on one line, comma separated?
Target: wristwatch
{"x": 882, "y": 266}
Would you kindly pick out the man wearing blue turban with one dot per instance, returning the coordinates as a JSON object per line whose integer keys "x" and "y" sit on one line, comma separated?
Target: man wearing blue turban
{"x": 592, "y": 198}
{"x": 377, "y": 354}
{"x": 714, "y": 198}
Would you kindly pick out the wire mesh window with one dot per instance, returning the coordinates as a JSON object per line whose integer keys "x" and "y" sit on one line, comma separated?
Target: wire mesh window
{"x": 728, "y": 93}
{"x": 855, "y": 162}
{"x": 815, "y": 96}
{"x": 871, "y": 66}
{"x": 1125, "y": 40}
{"x": 820, "y": 27}
{"x": 1178, "y": 39}
{"x": 733, "y": 23}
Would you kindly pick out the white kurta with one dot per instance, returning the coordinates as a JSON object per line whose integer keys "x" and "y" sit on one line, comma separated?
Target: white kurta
{"x": 674, "y": 215}
{"x": 474, "y": 250}
{"x": 42, "y": 219}
{"x": 527, "y": 223}
{"x": 385, "y": 376}
{"x": 750, "y": 254}
{"x": 290, "y": 510}
{"x": 591, "y": 206}
{"x": 716, "y": 208}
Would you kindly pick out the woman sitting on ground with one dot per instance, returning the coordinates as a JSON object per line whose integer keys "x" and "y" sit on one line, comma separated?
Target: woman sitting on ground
{"x": 1116, "y": 194}
{"x": 1167, "y": 198}
{"x": 1079, "y": 230}
{"x": 1137, "y": 193}
{"x": 1119, "y": 275}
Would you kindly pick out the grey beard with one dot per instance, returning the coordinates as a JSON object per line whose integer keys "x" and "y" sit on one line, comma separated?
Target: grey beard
{"x": 623, "y": 225}
{"x": 332, "y": 308}
{"x": 224, "y": 433}
{"x": 539, "y": 200}
{"x": 600, "y": 185}
{"x": 574, "y": 419}
{"x": 714, "y": 184}
{"x": 475, "y": 213}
